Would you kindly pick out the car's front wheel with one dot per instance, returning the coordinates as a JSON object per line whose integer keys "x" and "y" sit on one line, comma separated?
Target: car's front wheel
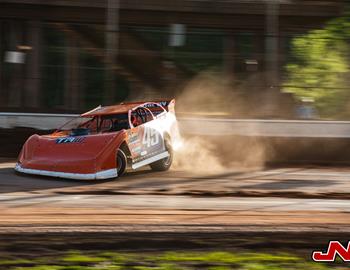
{"x": 121, "y": 162}
{"x": 165, "y": 163}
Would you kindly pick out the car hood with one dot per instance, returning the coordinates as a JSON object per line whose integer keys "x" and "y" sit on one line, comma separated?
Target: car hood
{"x": 80, "y": 154}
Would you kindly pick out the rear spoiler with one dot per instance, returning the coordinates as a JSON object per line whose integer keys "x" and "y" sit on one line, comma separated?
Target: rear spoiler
{"x": 168, "y": 105}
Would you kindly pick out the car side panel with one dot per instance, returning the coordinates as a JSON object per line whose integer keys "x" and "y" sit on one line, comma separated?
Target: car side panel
{"x": 145, "y": 141}
{"x": 83, "y": 154}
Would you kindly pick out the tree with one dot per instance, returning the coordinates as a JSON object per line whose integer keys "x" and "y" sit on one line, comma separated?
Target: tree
{"x": 320, "y": 68}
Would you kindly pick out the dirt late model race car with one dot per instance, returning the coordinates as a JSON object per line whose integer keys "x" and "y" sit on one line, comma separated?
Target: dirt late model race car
{"x": 103, "y": 142}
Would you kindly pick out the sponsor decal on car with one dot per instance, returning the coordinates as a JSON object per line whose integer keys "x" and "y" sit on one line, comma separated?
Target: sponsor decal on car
{"x": 150, "y": 137}
{"x": 70, "y": 140}
{"x": 155, "y": 105}
{"x": 133, "y": 137}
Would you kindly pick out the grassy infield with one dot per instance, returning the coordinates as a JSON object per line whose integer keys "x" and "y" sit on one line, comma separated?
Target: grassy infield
{"x": 75, "y": 260}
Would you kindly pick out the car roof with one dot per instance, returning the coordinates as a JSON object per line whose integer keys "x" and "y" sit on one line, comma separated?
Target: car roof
{"x": 114, "y": 109}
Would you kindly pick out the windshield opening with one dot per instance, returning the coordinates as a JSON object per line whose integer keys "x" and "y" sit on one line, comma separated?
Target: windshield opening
{"x": 81, "y": 126}
{"x": 89, "y": 124}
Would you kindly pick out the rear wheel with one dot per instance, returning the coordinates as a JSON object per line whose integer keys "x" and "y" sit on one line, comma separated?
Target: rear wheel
{"x": 165, "y": 163}
{"x": 121, "y": 162}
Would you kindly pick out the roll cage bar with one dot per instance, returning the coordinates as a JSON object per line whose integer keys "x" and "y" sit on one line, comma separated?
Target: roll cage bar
{"x": 145, "y": 106}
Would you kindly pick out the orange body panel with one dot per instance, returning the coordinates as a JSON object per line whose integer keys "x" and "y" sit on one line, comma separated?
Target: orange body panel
{"x": 92, "y": 154}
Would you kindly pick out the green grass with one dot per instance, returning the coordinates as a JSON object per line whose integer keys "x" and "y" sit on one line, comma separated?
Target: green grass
{"x": 10, "y": 262}
{"x": 75, "y": 260}
{"x": 76, "y": 257}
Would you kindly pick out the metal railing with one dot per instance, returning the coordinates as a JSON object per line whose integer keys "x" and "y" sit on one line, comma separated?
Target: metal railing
{"x": 204, "y": 126}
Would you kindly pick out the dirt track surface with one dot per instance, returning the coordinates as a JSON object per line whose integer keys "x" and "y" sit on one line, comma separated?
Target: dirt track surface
{"x": 177, "y": 201}
{"x": 286, "y": 182}
{"x": 164, "y": 214}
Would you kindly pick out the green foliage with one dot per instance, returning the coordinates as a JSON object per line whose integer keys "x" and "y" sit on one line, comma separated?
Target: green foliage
{"x": 79, "y": 258}
{"x": 15, "y": 262}
{"x": 227, "y": 257}
{"x": 168, "y": 261}
{"x": 320, "y": 68}
{"x": 40, "y": 267}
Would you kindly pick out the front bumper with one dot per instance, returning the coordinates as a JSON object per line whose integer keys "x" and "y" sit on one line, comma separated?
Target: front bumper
{"x": 112, "y": 173}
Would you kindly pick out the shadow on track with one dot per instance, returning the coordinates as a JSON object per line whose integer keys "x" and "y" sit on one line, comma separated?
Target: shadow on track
{"x": 146, "y": 181}
{"x": 11, "y": 181}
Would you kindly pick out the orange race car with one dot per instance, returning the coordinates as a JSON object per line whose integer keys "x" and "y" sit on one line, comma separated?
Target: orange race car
{"x": 103, "y": 142}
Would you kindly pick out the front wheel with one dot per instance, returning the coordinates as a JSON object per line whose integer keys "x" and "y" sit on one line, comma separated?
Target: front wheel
{"x": 165, "y": 163}
{"x": 121, "y": 162}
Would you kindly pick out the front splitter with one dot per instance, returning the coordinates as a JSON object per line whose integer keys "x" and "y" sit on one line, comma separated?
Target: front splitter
{"x": 106, "y": 174}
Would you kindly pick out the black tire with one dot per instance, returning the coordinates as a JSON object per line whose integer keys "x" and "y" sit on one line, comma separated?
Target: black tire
{"x": 165, "y": 163}
{"x": 121, "y": 162}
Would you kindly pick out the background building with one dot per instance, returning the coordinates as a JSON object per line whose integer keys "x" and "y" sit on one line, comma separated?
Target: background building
{"x": 72, "y": 55}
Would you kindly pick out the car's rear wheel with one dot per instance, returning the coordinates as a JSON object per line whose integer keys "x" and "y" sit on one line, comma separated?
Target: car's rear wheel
{"x": 165, "y": 163}
{"x": 121, "y": 162}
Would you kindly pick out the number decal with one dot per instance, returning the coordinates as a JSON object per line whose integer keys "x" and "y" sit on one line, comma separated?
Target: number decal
{"x": 150, "y": 137}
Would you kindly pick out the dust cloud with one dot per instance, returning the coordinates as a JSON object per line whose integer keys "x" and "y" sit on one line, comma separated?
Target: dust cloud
{"x": 214, "y": 95}
{"x": 197, "y": 155}
{"x": 210, "y": 95}
{"x": 220, "y": 154}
